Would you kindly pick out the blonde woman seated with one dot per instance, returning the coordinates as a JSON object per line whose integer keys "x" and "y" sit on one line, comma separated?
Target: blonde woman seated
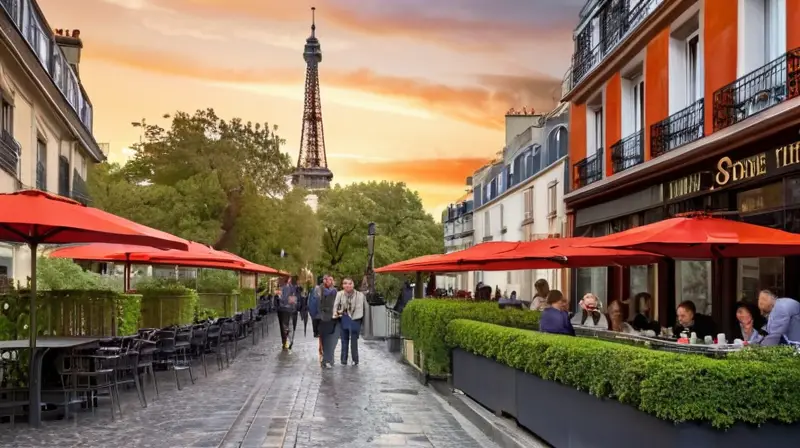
{"x": 540, "y": 297}
{"x": 616, "y": 322}
{"x": 590, "y": 313}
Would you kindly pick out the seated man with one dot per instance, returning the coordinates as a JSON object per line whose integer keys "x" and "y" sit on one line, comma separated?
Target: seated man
{"x": 783, "y": 322}
{"x": 691, "y": 322}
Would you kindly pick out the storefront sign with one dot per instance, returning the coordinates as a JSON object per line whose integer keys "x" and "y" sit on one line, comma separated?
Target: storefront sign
{"x": 729, "y": 171}
{"x": 688, "y": 185}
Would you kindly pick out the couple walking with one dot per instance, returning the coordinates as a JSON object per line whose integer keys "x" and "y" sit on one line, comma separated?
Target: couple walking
{"x": 336, "y": 315}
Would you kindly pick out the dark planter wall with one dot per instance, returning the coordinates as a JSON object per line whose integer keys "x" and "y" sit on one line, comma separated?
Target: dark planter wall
{"x": 488, "y": 382}
{"x": 568, "y": 418}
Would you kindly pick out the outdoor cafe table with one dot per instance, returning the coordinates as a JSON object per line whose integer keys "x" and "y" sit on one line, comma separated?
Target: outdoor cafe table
{"x": 43, "y": 345}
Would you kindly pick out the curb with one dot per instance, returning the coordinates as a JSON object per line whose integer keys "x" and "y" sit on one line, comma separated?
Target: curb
{"x": 502, "y": 431}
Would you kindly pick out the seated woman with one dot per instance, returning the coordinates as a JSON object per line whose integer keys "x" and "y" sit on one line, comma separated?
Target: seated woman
{"x": 642, "y": 318}
{"x": 751, "y": 323}
{"x": 590, "y": 314}
{"x": 691, "y": 322}
{"x": 542, "y": 288}
{"x": 555, "y": 318}
{"x": 615, "y": 320}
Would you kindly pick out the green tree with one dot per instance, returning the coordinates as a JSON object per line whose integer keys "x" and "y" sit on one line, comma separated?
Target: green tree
{"x": 217, "y": 182}
{"x": 404, "y": 229}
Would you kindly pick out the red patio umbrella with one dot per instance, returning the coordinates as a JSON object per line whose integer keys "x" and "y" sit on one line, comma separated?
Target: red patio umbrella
{"x": 703, "y": 237}
{"x": 552, "y": 253}
{"x": 35, "y": 217}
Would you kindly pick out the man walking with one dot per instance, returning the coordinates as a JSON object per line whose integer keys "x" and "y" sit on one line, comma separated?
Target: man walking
{"x": 350, "y": 310}
{"x": 328, "y": 326}
{"x": 313, "y": 311}
{"x": 287, "y": 310}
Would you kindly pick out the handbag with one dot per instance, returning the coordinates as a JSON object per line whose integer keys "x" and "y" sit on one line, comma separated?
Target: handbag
{"x": 347, "y": 322}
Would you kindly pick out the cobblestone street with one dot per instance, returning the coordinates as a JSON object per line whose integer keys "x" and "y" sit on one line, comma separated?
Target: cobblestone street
{"x": 270, "y": 398}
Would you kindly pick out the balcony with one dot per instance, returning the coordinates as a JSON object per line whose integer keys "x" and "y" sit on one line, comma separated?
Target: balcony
{"x": 52, "y": 59}
{"x": 9, "y": 154}
{"x": 41, "y": 176}
{"x": 589, "y": 170}
{"x": 627, "y": 152}
{"x": 759, "y": 90}
{"x": 617, "y": 22}
{"x": 680, "y": 128}
{"x": 80, "y": 192}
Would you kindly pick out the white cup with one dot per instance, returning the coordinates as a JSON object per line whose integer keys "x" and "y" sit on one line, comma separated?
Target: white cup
{"x": 721, "y": 339}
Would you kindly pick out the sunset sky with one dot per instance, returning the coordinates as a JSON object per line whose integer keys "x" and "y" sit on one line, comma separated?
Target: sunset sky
{"x": 412, "y": 90}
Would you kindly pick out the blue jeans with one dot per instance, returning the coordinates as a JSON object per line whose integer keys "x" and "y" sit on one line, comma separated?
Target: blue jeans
{"x": 329, "y": 340}
{"x": 350, "y": 340}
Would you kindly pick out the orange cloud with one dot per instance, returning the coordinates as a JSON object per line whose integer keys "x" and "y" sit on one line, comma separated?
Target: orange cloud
{"x": 462, "y": 33}
{"x": 440, "y": 172}
{"x": 483, "y": 105}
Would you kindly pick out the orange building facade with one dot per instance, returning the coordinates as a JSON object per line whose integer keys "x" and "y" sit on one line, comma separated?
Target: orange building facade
{"x": 679, "y": 106}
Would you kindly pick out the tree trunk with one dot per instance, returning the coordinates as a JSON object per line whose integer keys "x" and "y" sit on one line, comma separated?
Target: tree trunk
{"x": 229, "y": 218}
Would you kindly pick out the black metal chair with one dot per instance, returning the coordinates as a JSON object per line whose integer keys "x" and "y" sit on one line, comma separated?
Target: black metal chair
{"x": 172, "y": 356}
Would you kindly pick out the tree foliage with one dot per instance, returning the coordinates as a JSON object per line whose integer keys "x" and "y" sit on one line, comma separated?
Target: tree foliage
{"x": 404, "y": 229}
{"x": 214, "y": 181}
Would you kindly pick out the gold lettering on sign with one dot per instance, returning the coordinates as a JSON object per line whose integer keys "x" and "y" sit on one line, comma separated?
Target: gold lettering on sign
{"x": 787, "y": 155}
{"x": 728, "y": 170}
{"x": 684, "y": 186}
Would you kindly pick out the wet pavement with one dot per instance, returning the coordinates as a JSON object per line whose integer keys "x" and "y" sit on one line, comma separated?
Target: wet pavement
{"x": 271, "y": 398}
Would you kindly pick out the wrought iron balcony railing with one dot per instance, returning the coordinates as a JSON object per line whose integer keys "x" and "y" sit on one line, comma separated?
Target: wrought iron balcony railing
{"x": 619, "y": 23}
{"x": 758, "y": 90}
{"x": 627, "y": 152}
{"x": 80, "y": 192}
{"x": 589, "y": 170}
{"x": 41, "y": 176}
{"x": 680, "y": 128}
{"x": 9, "y": 154}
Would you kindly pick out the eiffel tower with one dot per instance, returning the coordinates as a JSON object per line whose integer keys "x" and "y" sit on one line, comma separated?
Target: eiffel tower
{"x": 312, "y": 170}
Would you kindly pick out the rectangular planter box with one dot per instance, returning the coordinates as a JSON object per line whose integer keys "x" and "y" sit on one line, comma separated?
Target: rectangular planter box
{"x": 568, "y": 418}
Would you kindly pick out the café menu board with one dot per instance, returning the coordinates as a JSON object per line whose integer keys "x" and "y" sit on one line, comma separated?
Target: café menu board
{"x": 729, "y": 172}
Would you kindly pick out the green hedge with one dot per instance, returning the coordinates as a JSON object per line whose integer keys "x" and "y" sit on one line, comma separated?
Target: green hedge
{"x": 675, "y": 387}
{"x": 170, "y": 304}
{"x": 425, "y": 322}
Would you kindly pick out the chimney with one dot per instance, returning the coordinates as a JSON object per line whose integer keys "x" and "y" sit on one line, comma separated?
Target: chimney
{"x": 71, "y": 45}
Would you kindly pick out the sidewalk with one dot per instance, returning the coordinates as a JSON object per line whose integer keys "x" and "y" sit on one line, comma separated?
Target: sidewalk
{"x": 270, "y": 398}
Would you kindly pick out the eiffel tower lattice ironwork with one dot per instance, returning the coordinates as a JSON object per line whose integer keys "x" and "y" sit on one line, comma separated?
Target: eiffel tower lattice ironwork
{"x": 312, "y": 164}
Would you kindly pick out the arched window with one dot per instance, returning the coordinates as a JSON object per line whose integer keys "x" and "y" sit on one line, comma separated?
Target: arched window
{"x": 556, "y": 144}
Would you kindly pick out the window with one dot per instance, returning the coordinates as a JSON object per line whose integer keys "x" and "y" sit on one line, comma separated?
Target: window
{"x": 774, "y": 29}
{"x": 591, "y": 280}
{"x": 519, "y": 168}
{"x": 638, "y": 104}
{"x": 692, "y": 70}
{"x": 63, "y": 176}
{"x": 529, "y": 163}
{"x": 527, "y": 198}
{"x": 556, "y": 145}
{"x": 536, "y": 160}
{"x": 756, "y": 274}
{"x": 693, "y": 282}
{"x": 477, "y": 195}
{"x": 594, "y": 134}
{"x": 41, "y": 165}
{"x": 8, "y": 117}
{"x": 552, "y": 199}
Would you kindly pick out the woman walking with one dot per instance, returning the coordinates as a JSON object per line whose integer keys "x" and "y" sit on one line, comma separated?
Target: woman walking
{"x": 350, "y": 310}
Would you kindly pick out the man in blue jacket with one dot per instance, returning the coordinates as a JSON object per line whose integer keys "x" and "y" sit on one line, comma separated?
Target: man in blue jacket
{"x": 313, "y": 310}
{"x": 287, "y": 310}
{"x": 783, "y": 322}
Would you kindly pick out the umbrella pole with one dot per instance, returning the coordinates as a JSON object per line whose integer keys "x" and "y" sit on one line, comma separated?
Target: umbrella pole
{"x": 34, "y": 391}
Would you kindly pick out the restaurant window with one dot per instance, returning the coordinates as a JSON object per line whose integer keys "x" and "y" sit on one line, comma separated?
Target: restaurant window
{"x": 768, "y": 197}
{"x": 552, "y": 199}
{"x": 693, "y": 282}
{"x": 755, "y": 274}
{"x": 527, "y": 199}
{"x": 591, "y": 280}
{"x": 643, "y": 279}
